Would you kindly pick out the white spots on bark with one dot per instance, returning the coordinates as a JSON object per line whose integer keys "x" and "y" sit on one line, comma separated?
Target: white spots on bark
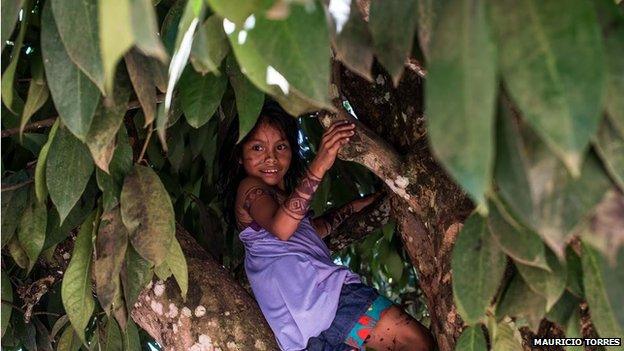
{"x": 227, "y": 313}
{"x": 66, "y": 256}
{"x": 157, "y": 307}
{"x": 404, "y": 116}
{"x": 200, "y": 311}
{"x": 187, "y": 311}
{"x": 175, "y": 328}
{"x": 401, "y": 182}
{"x": 231, "y": 345}
{"x": 398, "y": 186}
{"x": 387, "y": 96}
{"x": 380, "y": 80}
{"x": 204, "y": 343}
{"x": 159, "y": 288}
{"x": 212, "y": 323}
{"x": 259, "y": 345}
{"x": 173, "y": 311}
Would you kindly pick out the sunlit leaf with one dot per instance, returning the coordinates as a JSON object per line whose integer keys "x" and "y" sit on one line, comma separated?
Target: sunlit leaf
{"x": 478, "y": 266}
{"x": 148, "y": 214}
{"x": 393, "y": 25}
{"x": 76, "y": 285}
{"x": 461, "y": 90}
{"x": 471, "y": 339}
{"x": 67, "y": 155}
{"x": 249, "y": 100}
{"x": 32, "y": 229}
{"x": 110, "y": 249}
{"x": 78, "y": 26}
{"x": 563, "y": 38}
{"x": 144, "y": 26}
{"x": 210, "y": 46}
{"x": 74, "y": 95}
{"x": 115, "y": 25}
{"x": 238, "y": 11}
{"x": 200, "y": 96}
{"x": 10, "y": 98}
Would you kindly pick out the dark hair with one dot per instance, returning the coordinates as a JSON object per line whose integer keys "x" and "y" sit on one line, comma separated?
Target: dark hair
{"x": 231, "y": 173}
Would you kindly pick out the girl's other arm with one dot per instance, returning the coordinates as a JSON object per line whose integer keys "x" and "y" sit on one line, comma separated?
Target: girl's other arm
{"x": 332, "y": 219}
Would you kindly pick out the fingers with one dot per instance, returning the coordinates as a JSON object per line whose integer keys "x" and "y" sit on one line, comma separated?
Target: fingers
{"x": 338, "y": 131}
{"x": 337, "y": 127}
{"x": 339, "y": 138}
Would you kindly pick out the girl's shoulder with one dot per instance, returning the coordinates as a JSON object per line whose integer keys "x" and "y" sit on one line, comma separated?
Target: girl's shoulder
{"x": 249, "y": 189}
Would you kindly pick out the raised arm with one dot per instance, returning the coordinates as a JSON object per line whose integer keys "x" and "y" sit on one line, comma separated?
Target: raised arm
{"x": 330, "y": 220}
{"x": 282, "y": 220}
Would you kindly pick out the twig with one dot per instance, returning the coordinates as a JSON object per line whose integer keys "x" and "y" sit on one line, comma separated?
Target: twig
{"x": 150, "y": 129}
{"x": 19, "y": 309}
{"x": 48, "y": 122}
{"x": 16, "y": 186}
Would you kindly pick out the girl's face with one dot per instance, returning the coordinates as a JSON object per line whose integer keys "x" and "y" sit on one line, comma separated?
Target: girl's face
{"x": 266, "y": 155}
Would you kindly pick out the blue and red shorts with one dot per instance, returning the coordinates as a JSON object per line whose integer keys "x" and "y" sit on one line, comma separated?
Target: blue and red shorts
{"x": 360, "y": 307}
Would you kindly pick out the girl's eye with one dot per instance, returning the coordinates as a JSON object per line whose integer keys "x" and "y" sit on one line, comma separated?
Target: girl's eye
{"x": 282, "y": 147}
{"x": 256, "y": 147}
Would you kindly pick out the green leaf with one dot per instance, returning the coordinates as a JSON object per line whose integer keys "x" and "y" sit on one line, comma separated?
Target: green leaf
{"x": 507, "y": 336}
{"x": 76, "y": 285}
{"x": 41, "y": 189}
{"x": 603, "y": 229}
{"x": 10, "y": 14}
{"x": 67, "y": 155}
{"x": 471, "y": 339}
{"x": 37, "y": 93}
{"x": 144, "y": 25}
{"x": 119, "y": 167}
{"x": 519, "y": 300}
{"x": 143, "y": 82}
{"x": 131, "y": 339}
{"x": 288, "y": 58}
{"x": 69, "y": 341}
{"x": 108, "y": 118}
{"x": 393, "y": 24}
{"x": 177, "y": 264}
{"x": 602, "y": 281}
{"x": 115, "y": 25}
{"x": 353, "y": 44}
{"x": 147, "y": 212}
{"x": 17, "y": 252}
{"x": 249, "y": 100}
{"x": 478, "y": 266}
{"x": 394, "y": 265}
{"x": 574, "y": 281}
{"x": 550, "y": 284}
{"x": 32, "y": 229}
{"x": 610, "y": 147}
{"x": 238, "y": 11}
{"x": 162, "y": 271}
{"x": 113, "y": 339}
{"x": 110, "y": 248}
{"x": 11, "y": 99}
{"x": 461, "y": 88}
{"x": 75, "y": 96}
{"x": 559, "y": 87}
{"x": 7, "y": 295}
{"x": 136, "y": 273}
{"x": 612, "y": 23}
{"x": 517, "y": 241}
{"x": 13, "y": 203}
{"x": 428, "y": 16}
{"x": 573, "y": 330}
{"x": 78, "y": 26}
{"x": 210, "y": 46}
{"x": 561, "y": 312}
{"x": 200, "y": 96}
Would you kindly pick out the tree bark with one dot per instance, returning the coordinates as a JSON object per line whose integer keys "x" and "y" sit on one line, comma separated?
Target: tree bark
{"x": 218, "y": 313}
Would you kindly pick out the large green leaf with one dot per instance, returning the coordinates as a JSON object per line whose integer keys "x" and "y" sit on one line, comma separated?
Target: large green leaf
{"x": 10, "y": 14}
{"x": 7, "y": 295}
{"x": 38, "y": 93}
{"x": 13, "y": 203}
{"x": 612, "y": 23}
{"x": 602, "y": 281}
{"x": 110, "y": 249}
{"x": 115, "y": 26}
{"x": 478, "y": 266}
{"x": 69, "y": 341}
{"x": 136, "y": 273}
{"x": 108, "y": 118}
{"x": 74, "y": 95}
{"x": 574, "y": 281}
{"x": 520, "y": 243}
{"x": 17, "y": 252}
{"x": 519, "y": 300}
{"x": 143, "y": 20}
{"x": 32, "y": 229}
{"x": 393, "y": 25}
{"x": 287, "y": 58}
{"x": 507, "y": 336}
{"x": 76, "y": 286}
{"x": 249, "y": 100}
{"x": 147, "y": 212}
{"x": 561, "y": 312}
{"x": 131, "y": 339}
{"x": 112, "y": 340}
{"x": 176, "y": 263}
{"x": 353, "y": 43}
{"x": 461, "y": 87}
{"x": 10, "y": 98}
{"x": 610, "y": 147}
{"x": 41, "y": 189}
{"x": 210, "y": 46}
{"x": 550, "y": 284}
{"x": 238, "y": 11}
{"x": 200, "y": 96}
{"x": 67, "y": 155}
{"x": 559, "y": 86}
{"x": 78, "y": 26}
{"x": 120, "y": 165}
{"x": 604, "y": 229}
{"x": 471, "y": 339}
{"x": 143, "y": 83}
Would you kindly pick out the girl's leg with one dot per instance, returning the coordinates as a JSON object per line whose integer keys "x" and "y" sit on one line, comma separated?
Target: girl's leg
{"x": 398, "y": 331}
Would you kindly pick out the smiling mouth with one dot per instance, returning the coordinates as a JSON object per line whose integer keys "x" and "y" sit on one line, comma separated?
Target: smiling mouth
{"x": 269, "y": 171}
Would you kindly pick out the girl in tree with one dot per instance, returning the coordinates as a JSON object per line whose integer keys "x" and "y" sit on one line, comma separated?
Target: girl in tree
{"x": 309, "y": 302}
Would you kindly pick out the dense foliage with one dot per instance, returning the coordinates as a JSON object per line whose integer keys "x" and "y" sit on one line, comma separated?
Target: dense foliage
{"x": 114, "y": 112}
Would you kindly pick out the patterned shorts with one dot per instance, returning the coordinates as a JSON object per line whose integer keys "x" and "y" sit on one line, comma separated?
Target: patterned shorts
{"x": 367, "y": 322}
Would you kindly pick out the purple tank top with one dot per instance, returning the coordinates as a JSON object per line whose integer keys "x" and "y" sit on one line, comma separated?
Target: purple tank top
{"x": 295, "y": 282}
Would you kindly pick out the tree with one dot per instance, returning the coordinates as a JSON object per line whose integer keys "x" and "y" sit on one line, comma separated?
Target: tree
{"x": 495, "y": 128}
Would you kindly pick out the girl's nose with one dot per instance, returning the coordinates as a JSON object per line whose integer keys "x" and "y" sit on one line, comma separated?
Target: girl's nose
{"x": 270, "y": 156}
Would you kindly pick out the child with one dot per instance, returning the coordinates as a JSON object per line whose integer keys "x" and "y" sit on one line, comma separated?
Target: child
{"x": 309, "y": 302}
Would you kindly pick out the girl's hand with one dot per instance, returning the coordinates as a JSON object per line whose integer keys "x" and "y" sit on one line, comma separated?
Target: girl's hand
{"x": 333, "y": 139}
